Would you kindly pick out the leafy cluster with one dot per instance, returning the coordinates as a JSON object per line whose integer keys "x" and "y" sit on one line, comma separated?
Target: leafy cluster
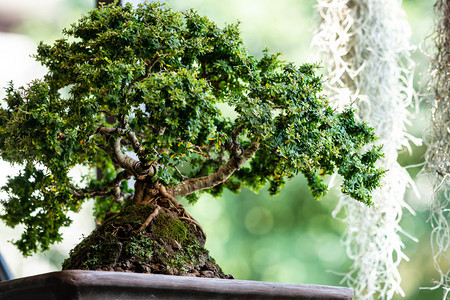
{"x": 187, "y": 99}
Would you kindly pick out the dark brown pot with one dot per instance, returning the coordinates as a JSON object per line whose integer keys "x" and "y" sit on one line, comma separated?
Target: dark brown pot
{"x": 93, "y": 285}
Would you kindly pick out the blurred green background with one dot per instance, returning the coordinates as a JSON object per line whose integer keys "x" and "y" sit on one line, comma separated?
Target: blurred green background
{"x": 289, "y": 238}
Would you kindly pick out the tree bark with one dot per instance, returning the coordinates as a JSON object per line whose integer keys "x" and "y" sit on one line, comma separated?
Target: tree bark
{"x": 196, "y": 184}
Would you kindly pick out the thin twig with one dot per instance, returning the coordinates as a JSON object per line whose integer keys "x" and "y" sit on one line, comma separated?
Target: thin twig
{"x": 111, "y": 188}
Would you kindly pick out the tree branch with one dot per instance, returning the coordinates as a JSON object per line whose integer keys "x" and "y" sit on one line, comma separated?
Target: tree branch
{"x": 196, "y": 184}
{"x": 122, "y": 132}
{"x": 135, "y": 167}
{"x": 138, "y": 168}
{"x": 112, "y": 188}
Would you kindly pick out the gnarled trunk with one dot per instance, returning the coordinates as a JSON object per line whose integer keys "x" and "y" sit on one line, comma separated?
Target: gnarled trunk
{"x": 152, "y": 234}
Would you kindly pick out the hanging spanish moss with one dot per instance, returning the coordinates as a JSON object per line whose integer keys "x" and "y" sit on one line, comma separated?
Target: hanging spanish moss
{"x": 438, "y": 154}
{"x": 365, "y": 47}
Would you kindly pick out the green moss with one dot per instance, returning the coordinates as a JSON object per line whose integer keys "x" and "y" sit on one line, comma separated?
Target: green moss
{"x": 95, "y": 250}
{"x": 167, "y": 242}
{"x": 169, "y": 228}
{"x": 192, "y": 254}
{"x": 160, "y": 254}
{"x": 76, "y": 252}
{"x": 140, "y": 247}
{"x": 195, "y": 250}
{"x": 133, "y": 215}
{"x": 105, "y": 253}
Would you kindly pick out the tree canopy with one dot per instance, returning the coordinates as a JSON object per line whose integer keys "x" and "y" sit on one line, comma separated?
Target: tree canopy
{"x": 144, "y": 93}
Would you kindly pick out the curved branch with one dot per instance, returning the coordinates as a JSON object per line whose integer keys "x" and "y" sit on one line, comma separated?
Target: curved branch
{"x": 135, "y": 167}
{"x": 112, "y": 188}
{"x": 138, "y": 168}
{"x": 196, "y": 184}
{"x": 122, "y": 132}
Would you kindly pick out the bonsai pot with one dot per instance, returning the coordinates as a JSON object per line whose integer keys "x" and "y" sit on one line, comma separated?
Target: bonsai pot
{"x": 80, "y": 284}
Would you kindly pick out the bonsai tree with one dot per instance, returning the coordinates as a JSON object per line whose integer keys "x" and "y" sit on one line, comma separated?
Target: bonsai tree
{"x": 176, "y": 106}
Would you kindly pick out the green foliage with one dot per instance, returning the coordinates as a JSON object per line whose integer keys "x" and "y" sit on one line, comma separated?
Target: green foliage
{"x": 37, "y": 202}
{"x": 162, "y": 76}
{"x": 103, "y": 253}
{"x": 140, "y": 247}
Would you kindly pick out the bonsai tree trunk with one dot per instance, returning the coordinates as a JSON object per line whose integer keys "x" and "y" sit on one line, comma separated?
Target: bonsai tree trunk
{"x": 152, "y": 234}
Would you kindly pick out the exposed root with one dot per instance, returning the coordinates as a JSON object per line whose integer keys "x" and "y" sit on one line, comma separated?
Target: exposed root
{"x": 192, "y": 220}
{"x": 148, "y": 220}
{"x": 184, "y": 215}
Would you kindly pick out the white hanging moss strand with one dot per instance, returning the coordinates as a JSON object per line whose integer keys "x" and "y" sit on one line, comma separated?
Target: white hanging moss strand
{"x": 364, "y": 45}
{"x": 438, "y": 154}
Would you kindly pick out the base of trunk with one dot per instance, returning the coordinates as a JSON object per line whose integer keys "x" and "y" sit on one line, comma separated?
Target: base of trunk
{"x": 151, "y": 238}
